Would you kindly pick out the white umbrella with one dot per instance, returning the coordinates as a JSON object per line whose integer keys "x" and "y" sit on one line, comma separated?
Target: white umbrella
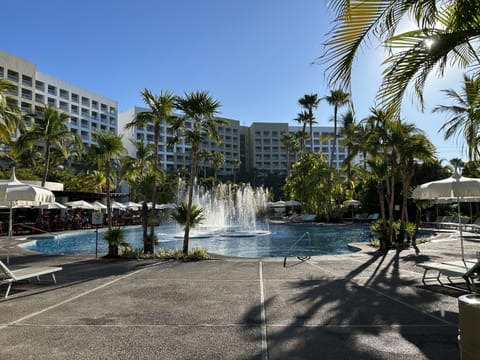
{"x": 99, "y": 206}
{"x": 80, "y": 204}
{"x": 117, "y": 205}
{"x": 52, "y": 206}
{"x": 279, "y": 204}
{"x": 166, "y": 206}
{"x": 293, "y": 203}
{"x": 133, "y": 205}
{"x": 352, "y": 203}
{"x": 455, "y": 187}
{"x": 14, "y": 192}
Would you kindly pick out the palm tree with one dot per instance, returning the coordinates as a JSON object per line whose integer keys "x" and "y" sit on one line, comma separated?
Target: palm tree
{"x": 10, "y": 116}
{"x": 413, "y": 147}
{"x": 216, "y": 161}
{"x": 235, "y": 166}
{"x": 108, "y": 148}
{"x": 337, "y": 99}
{"x": 199, "y": 108}
{"x": 465, "y": 114}
{"x": 310, "y": 103}
{"x": 161, "y": 110}
{"x": 49, "y": 129}
{"x": 447, "y": 31}
{"x": 291, "y": 144}
{"x": 347, "y": 133}
{"x": 302, "y": 118}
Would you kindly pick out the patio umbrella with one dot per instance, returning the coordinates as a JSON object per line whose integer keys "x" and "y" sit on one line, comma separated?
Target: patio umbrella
{"x": 52, "y": 206}
{"x": 80, "y": 204}
{"x": 293, "y": 203}
{"x": 352, "y": 203}
{"x": 99, "y": 206}
{"x": 133, "y": 205}
{"x": 456, "y": 187}
{"x": 118, "y": 205}
{"x": 166, "y": 206}
{"x": 15, "y": 193}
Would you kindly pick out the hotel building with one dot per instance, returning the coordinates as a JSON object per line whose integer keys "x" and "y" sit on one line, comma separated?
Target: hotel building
{"x": 32, "y": 90}
{"x": 258, "y": 146}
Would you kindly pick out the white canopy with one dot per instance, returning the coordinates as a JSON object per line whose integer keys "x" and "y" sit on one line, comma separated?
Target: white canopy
{"x": 15, "y": 193}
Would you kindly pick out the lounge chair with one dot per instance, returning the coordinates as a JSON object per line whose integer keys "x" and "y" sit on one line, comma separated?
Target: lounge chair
{"x": 466, "y": 269}
{"x": 8, "y": 276}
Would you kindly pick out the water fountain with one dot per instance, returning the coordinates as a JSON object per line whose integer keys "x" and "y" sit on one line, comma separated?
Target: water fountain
{"x": 229, "y": 210}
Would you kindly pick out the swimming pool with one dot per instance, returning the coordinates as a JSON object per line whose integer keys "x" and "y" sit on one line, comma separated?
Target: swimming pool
{"x": 326, "y": 239}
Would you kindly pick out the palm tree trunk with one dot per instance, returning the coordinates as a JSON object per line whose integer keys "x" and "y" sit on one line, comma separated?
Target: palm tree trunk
{"x": 47, "y": 162}
{"x": 193, "y": 168}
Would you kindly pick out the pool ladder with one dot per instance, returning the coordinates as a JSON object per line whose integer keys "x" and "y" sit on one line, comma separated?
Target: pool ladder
{"x": 306, "y": 236}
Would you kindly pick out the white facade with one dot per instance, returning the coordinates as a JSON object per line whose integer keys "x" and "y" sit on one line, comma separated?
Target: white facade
{"x": 178, "y": 156}
{"x": 88, "y": 111}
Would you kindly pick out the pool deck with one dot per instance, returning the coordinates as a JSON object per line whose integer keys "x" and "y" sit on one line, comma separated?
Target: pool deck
{"x": 365, "y": 305}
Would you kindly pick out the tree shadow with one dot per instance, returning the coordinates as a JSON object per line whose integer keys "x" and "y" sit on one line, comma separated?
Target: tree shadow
{"x": 370, "y": 313}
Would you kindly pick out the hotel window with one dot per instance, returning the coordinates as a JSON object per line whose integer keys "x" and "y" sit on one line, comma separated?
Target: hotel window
{"x": 73, "y": 120}
{"x": 103, "y": 107}
{"x": 85, "y": 112}
{"x": 39, "y": 98}
{"x": 52, "y": 102}
{"x": 113, "y": 110}
{"x": 74, "y": 109}
{"x": 85, "y": 101}
{"x": 1, "y": 72}
{"x": 12, "y": 75}
{"x": 52, "y": 90}
{"x": 75, "y": 98}
{"x": 64, "y": 94}
{"x": 94, "y": 115}
{"x": 13, "y": 90}
{"x": 266, "y": 133}
{"x": 26, "y": 107}
{"x": 27, "y": 80}
{"x": 27, "y": 94}
{"x": 63, "y": 106}
{"x": 74, "y": 131}
{"x": 95, "y": 104}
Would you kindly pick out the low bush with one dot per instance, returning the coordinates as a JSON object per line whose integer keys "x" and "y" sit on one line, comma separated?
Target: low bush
{"x": 195, "y": 254}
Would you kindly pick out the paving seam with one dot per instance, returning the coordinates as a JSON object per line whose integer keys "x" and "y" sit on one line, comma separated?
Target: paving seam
{"x": 263, "y": 317}
{"x": 29, "y": 316}
{"x": 385, "y": 295}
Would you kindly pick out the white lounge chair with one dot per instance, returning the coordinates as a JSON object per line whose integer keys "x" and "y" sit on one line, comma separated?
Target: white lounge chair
{"x": 8, "y": 276}
{"x": 466, "y": 269}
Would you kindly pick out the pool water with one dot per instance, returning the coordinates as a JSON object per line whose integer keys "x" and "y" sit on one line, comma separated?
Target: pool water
{"x": 326, "y": 239}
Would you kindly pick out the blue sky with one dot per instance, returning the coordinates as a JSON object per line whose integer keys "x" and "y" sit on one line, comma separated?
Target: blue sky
{"x": 254, "y": 56}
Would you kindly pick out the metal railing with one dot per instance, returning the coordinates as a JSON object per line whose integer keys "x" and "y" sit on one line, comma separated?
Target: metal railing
{"x": 307, "y": 248}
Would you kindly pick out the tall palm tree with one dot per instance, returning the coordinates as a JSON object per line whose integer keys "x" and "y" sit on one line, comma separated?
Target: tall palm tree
{"x": 414, "y": 147}
{"x": 465, "y": 114}
{"x": 447, "y": 34}
{"x": 310, "y": 102}
{"x": 347, "y": 134}
{"x": 160, "y": 110}
{"x": 49, "y": 129}
{"x": 302, "y": 118}
{"x": 199, "y": 108}
{"x": 337, "y": 99}
{"x": 235, "y": 166}
{"x": 216, "y": 161}
{"x": 108, "y": 148}
{"x": 291, "y": 144}
{"x": 10, "y": 116}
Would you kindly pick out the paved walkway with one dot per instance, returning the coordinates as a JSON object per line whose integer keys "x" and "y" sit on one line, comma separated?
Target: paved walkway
{"x": 360, "y": 306}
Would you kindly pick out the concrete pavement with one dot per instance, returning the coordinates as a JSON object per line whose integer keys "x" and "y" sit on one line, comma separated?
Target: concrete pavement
{"x": 365, "y": 305}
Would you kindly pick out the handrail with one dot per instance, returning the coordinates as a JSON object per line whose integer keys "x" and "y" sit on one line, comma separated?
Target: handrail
{"x": 308, "y": 248}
